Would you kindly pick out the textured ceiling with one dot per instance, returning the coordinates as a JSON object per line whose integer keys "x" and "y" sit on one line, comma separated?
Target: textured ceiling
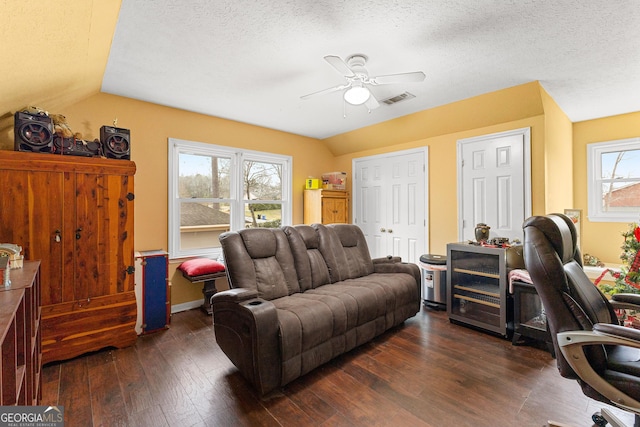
{"x": 251, "y": 61}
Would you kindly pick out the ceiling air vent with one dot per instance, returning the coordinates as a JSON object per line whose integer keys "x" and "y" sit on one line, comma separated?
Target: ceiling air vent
{"x": 398, "y": 98}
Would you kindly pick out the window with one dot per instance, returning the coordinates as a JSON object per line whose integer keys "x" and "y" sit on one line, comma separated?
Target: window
{"x": 614, "y": 180}
{"x": 213, "y": 189}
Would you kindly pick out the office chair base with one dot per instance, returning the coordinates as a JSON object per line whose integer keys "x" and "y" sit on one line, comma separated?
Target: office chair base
{"x": 605, "y": 417}
{"x": 600, "y": 419}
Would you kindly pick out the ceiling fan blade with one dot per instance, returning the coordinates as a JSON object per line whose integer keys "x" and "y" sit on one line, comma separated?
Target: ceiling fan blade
{"x": 372, "y": 103}
{"x": 325, "y": 91}
{"x": 340, "y": 66}
{"x": 414, "y": 77}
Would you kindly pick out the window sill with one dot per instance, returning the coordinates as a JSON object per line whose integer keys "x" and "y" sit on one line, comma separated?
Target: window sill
{"x": 594, "y": 272}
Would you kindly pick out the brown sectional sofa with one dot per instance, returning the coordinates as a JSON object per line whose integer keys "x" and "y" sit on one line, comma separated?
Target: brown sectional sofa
{"x": 302, "y": 295}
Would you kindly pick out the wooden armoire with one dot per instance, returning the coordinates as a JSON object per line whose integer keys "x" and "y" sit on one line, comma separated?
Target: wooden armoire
{"x": 75, "y": 214}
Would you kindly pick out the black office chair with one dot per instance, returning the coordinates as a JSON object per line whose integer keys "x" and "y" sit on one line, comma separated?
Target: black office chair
{"x": 590, "y": 345}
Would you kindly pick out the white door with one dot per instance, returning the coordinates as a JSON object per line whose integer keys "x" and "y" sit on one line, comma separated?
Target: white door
{"x": 390, "y": 203}
{"x": 494, "y": 185}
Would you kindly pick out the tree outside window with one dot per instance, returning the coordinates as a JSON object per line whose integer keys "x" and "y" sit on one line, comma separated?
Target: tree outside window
{"x": 614, "y": 180}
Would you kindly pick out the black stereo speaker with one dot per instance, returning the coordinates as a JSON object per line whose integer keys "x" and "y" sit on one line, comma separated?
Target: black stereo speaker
{"x": 33, "y": 132}
{"x": 77, "y": 147}
{"x": 116, "y": 142}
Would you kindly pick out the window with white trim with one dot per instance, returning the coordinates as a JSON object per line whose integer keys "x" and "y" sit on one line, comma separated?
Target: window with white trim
{"x": 613, "y": 170}
{"x": 213, "y": 189}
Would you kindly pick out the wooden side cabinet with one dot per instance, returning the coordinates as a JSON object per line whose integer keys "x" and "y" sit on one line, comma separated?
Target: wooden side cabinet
{"x": 326, "y": 207}
{"x": 20, "y": 340}
{"x": 74, "y": 214}
{"x": 153, "y": 291}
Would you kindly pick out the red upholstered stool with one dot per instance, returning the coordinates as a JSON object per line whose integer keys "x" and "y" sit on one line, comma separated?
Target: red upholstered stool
{"x": 204, "y": 270}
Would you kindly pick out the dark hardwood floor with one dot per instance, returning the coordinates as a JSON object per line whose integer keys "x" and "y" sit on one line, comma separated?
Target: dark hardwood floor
{"x": 427, "y": 372}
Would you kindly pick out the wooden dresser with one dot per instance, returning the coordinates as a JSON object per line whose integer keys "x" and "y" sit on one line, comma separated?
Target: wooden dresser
{"x": 75, "y": 214}
{"x": 20, "y": 339}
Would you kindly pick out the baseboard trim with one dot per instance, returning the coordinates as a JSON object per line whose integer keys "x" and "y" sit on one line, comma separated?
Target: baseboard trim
{"x": 186, "y": 306}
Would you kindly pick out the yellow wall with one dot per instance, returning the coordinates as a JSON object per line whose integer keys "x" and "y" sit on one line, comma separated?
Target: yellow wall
{"x": 443, "y": 203}
{"x": 492, "y": 108}
{"x": 600, "y": 239}
{"x": 558, "y": 157}
{"x": 557, "y": 150}
{"x": 440, "y": 129}
{"x": 151, "y": 125}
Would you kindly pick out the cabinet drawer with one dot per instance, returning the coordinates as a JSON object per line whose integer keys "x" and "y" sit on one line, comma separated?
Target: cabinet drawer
{"x": 71, "y": 329}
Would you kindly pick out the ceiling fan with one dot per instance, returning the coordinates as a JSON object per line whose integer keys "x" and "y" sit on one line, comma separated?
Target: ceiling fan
{"x": 356, "y": 91}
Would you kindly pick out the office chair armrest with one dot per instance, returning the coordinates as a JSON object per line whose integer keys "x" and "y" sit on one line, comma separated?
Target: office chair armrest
{"x": 571, "y": 343}
{"x": 622, "y": 301}
{"x": 617, "y": 331}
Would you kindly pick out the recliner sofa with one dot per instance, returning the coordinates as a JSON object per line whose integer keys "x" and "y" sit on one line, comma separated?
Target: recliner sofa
{"x": 302, "y": 295}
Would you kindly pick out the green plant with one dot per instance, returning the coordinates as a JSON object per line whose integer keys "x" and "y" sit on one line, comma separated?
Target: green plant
{"x": 627, "y": 279}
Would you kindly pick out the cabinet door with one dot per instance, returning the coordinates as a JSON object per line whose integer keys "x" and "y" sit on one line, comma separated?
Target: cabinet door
{"x": 334, "y": 210}
{"x": 31, "y": 215}
{"x": 103, "y": 235}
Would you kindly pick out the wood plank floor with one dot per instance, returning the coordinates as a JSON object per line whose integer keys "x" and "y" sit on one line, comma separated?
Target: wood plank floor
{"x": 427, "y": 372}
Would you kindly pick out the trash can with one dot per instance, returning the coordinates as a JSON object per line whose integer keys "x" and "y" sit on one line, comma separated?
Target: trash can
{"x": 434, "y": 281}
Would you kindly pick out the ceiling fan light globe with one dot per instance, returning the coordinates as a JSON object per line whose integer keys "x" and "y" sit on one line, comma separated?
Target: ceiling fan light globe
{"x": 357, "y": 95}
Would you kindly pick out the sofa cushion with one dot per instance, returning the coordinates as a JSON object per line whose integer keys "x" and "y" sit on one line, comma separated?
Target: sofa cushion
{"x": 310, "y": 264}
{"x": 362, "y": 304}
{"x": 344, "y": 250}
{"x": 398, "y": 291}
{"x": 312, "y": 331}
{"x": 260, "y": 259}
{"x": 260, "y": 242}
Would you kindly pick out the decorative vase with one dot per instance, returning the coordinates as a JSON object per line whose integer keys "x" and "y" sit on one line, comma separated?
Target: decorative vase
{"x": 482, "y": 232}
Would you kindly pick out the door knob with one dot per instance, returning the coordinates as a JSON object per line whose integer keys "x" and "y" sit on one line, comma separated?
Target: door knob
{"x": 78, "y": 236}
{"x": 389, "y": 231}
{"x": 382, "y": 230}
{"x": 57, "y": 237}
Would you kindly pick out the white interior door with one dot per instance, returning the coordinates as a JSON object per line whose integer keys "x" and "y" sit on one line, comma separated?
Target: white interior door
{"x": 390, "y": 203}
{"x": 494, "y": 183}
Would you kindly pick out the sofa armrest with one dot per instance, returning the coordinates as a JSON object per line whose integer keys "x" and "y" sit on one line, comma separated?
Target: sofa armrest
{"x": 246, "y": 329}
{"x": 389, "y": 259}
{"x": 398, "y": 267}
{"x": 235, "y": 295}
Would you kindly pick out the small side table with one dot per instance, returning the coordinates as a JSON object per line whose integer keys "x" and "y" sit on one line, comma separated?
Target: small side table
{"x": 208, "y": 288}
{"x": 529, "y": 320}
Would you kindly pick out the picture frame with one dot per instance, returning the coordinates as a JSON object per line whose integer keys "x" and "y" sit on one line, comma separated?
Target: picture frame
{"x": 576, "y": 217}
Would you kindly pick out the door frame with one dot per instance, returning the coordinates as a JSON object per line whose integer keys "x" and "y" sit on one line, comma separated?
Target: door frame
{"x": 526, "y": 134}
{"x": 421, "y": 150}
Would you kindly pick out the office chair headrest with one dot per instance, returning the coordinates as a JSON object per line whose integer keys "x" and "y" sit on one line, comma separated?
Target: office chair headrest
{"x": 561, "y": 233}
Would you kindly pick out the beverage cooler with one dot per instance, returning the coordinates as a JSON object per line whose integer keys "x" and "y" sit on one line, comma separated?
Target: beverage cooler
{"x": 477, "y": 285}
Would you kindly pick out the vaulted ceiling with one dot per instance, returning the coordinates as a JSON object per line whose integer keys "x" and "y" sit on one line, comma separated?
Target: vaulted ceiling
{"x": 251, "y": 61}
